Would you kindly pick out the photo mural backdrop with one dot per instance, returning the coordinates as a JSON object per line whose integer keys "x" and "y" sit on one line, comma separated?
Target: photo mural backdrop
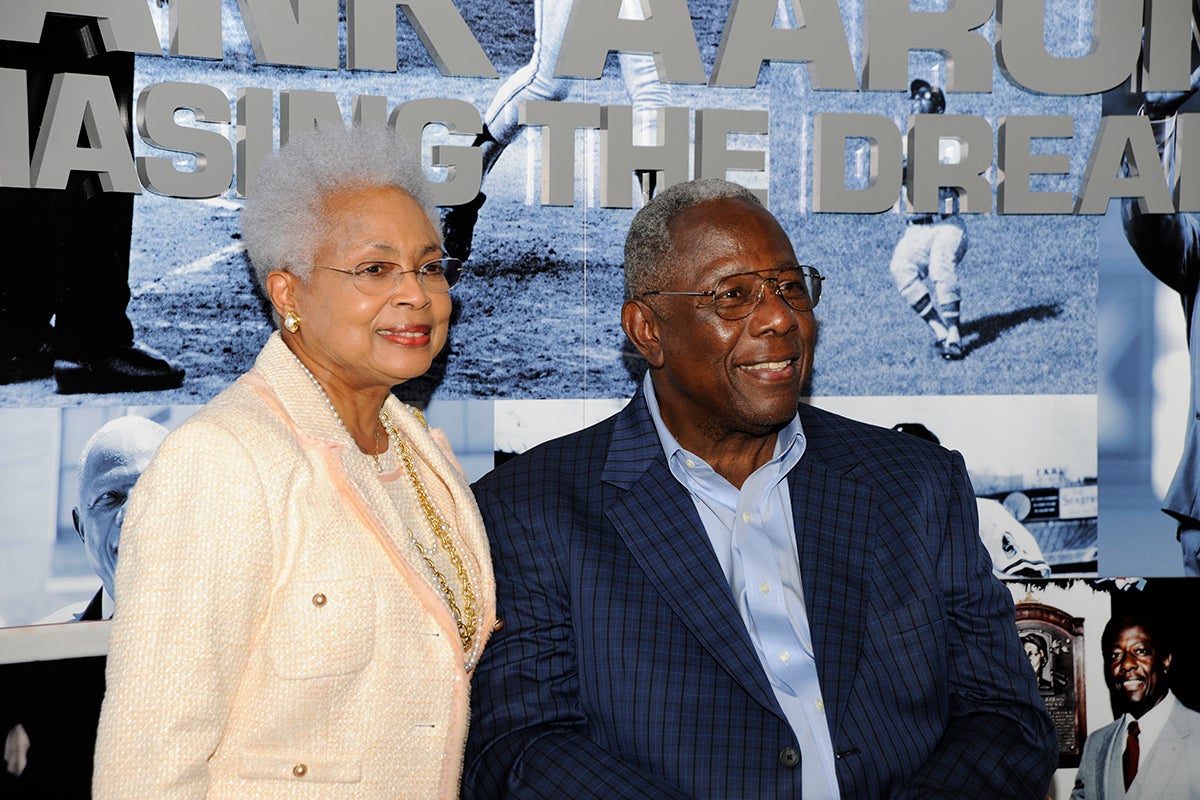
{"x": 1068, "y": 393}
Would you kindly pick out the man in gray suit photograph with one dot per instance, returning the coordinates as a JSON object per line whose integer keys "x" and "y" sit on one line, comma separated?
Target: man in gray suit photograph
{"x": 1152, "y": 750}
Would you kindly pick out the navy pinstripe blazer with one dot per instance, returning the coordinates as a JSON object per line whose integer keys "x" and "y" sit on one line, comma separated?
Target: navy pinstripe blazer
{"x": 624, "y": 670}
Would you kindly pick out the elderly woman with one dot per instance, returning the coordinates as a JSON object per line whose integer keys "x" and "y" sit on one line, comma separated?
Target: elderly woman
{"x": 304, "y": 585}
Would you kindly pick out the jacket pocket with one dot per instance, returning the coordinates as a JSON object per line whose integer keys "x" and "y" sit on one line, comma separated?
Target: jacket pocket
{"x": 321, "y": 629}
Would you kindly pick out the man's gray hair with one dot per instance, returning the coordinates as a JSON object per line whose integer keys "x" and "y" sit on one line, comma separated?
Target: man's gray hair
{"x": 648, "y": 246}
{"x": 283, "y": 218}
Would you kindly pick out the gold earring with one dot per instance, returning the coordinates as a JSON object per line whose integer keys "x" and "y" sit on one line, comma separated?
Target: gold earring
{"x": 292, "y": 322}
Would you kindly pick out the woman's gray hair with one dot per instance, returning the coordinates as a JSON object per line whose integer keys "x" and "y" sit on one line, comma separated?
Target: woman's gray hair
{"x": 283, "y": 221}
{"x": 648, "y": 243}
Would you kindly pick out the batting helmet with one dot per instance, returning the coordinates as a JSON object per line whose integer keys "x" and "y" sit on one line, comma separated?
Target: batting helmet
{"x": 922, "y": 90}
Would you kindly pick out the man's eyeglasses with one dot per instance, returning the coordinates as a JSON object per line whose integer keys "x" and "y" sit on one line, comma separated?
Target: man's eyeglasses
{"x": 735, "y": 296}
{"x": 383, "y": 277}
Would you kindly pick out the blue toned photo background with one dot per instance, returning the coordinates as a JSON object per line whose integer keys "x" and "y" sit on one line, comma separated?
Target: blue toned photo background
{"x": 537, "y": 318}
{"x": 538, "y": 314}
{"x": 539, "y": 309}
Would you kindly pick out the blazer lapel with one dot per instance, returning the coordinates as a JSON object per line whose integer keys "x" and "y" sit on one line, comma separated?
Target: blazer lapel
{"x": 1169, "y": 751}
{"x": 1110, "y": 765}
{"x": 835, "y": 531}
{"x": 658, "y": 521}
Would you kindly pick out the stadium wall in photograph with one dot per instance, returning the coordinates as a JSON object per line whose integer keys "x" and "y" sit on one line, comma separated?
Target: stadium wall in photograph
{"x": 128, "y": 140}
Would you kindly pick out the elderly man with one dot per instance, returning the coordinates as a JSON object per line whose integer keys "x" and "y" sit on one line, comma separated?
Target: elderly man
{"x": 111, "y": 462}
{"x": 715, "y": 592}
{"x": 1153, "y": 749}
{"x": 109, "y": 465}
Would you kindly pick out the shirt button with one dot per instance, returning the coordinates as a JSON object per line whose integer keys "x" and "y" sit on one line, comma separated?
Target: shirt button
{"x": 746, "y": 518}
{"x": 765, "y": 587}
{"x": 319, "y": 599}
{"x": 300, "y": 770}
{"x": 820, "y": 704}
{"x": 690, "y": 464}
{"x": 789, "y": 757}
{"x": 785, "y": 657}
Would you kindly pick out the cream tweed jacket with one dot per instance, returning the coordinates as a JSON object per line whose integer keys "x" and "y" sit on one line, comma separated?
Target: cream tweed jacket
{"x": 276, "y": 635}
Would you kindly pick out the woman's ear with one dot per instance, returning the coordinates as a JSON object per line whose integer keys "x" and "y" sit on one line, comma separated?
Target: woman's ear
{"x": 640, "y": 324}
{"x": 281, "y": 291}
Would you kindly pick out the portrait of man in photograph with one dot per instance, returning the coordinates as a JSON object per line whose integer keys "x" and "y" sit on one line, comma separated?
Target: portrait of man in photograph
{"x": 1152, "y": 749}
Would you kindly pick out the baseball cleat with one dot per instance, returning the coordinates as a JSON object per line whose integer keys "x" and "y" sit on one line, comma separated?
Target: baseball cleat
{"x": 951, "y": 351}
{"x": 458, "y": 227}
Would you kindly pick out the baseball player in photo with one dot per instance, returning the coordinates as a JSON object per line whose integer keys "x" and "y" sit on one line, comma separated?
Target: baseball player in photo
{"x": 536, "y": 81}
{"x": 925, "y": 261}
{"x": 1015, "y": 551}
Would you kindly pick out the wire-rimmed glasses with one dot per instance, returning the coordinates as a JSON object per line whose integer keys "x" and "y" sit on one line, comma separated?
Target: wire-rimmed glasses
{"x": 383, "y": 277}
{"x": 735, "y": 296}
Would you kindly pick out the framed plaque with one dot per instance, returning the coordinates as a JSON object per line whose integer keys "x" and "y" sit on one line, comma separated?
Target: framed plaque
{"x": 1053, "y": 641}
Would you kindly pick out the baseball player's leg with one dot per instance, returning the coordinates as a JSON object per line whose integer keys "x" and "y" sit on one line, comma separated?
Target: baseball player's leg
{"x": 909, "y": 266}
{"x": 534, "y": 81}
{"x": 29, "y": 236}
{"x": 641, "y": 78}
{"x": 946, "y": 249}
{"x": 647, "y": 93}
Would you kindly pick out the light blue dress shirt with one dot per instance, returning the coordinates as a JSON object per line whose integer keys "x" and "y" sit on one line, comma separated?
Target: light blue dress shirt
{"x": 753, "y": 534}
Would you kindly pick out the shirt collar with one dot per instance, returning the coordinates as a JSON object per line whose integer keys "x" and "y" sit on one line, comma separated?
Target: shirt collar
{"x": 1151, "y": 724}
{"x": 789, "y": 444}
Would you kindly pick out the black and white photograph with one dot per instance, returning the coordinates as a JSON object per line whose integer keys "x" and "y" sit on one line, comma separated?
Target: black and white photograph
{"x": 1149, "y": 439}
{"x": 66, "y": 474}
{"x": 540, "y": 309}
{"x": 522, "y": 424}
{"x": 1032, "y": 462}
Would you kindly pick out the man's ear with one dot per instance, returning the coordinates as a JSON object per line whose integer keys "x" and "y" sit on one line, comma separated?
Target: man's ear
{"x": 76, "y": 522}
{"x": 641, "y": 326}
{"x": 281, "y": 291}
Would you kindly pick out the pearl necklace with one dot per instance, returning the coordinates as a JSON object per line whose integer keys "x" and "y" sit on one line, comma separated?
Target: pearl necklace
{"x": 374, "y": 456}
{"x": 466, "y": 619}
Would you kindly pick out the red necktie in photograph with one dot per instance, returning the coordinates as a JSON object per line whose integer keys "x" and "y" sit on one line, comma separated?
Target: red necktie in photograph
{"x": 1129, "y": 763}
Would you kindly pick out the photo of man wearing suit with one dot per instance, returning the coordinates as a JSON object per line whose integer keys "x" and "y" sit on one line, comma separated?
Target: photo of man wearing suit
{"x": 1152, "y": 750}
{"x": 715, "y": 592}
{"x": 1168, "y": 245}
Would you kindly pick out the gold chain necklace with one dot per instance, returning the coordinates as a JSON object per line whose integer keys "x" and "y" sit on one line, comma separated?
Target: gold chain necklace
{"x": 466, "y": 619}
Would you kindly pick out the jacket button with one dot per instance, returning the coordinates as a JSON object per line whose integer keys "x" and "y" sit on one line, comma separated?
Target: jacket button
{"x": 300, "y": 770}
{"x": 318, "y": 599}
{"x": 789, "y": 757}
